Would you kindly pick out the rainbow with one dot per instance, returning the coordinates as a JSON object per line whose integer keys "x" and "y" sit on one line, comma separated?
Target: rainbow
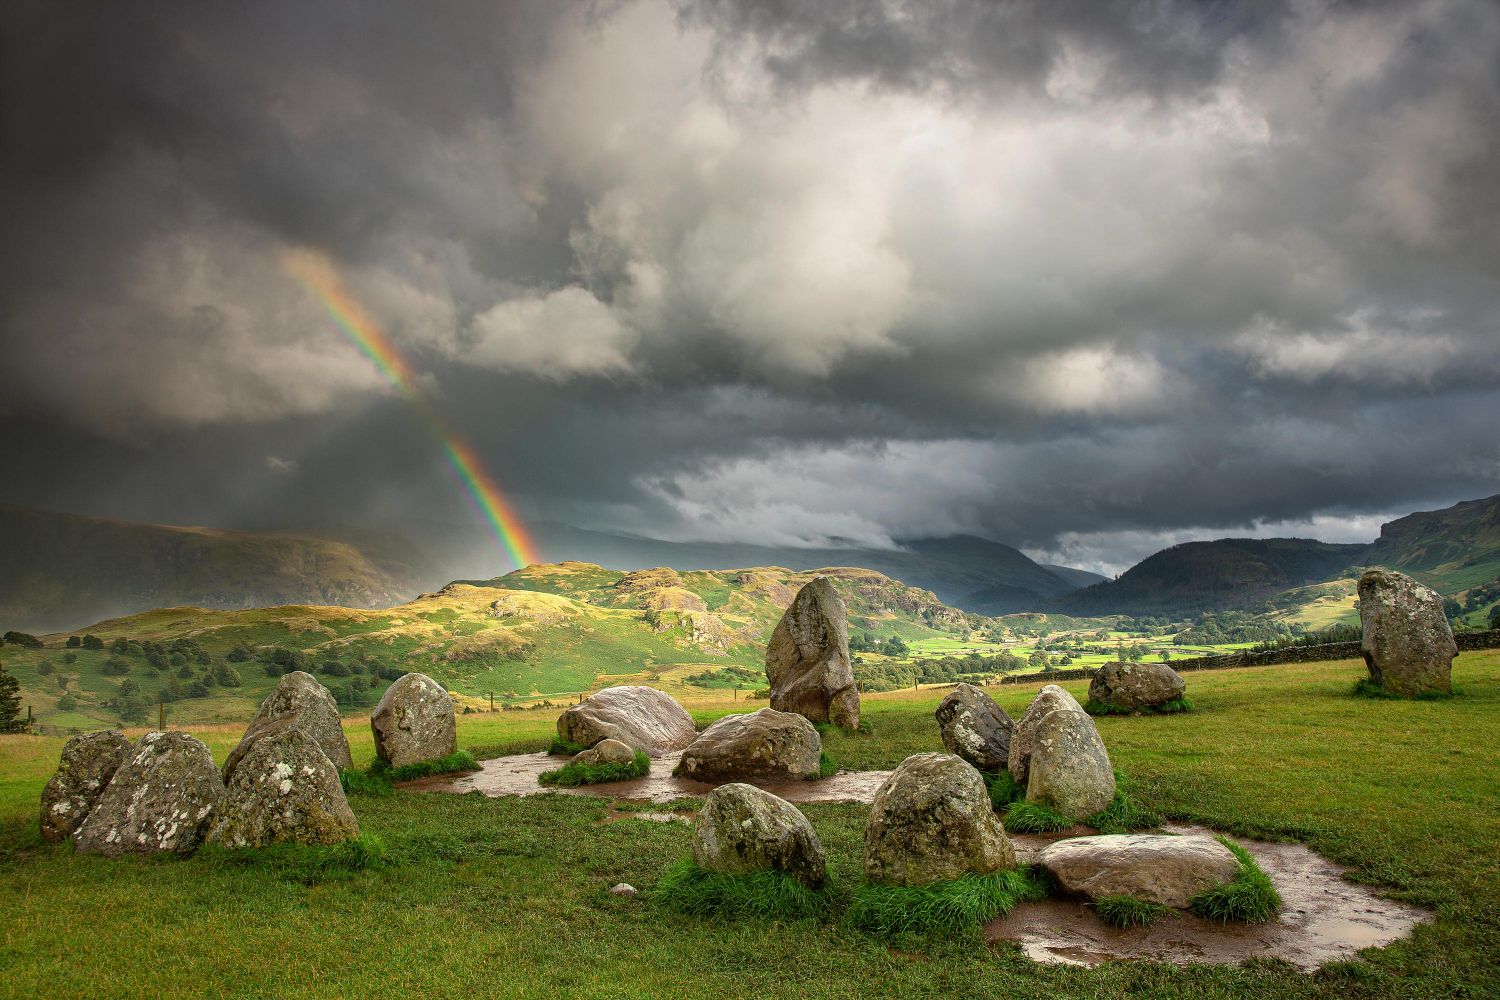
{"x": 317, "y": 274}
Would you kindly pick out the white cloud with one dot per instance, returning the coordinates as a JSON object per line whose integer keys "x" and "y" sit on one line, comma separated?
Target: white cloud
{"x": 563, "y": 333}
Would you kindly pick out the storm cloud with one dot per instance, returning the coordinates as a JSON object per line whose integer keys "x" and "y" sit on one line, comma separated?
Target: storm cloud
{"x": 1085, "y": 278}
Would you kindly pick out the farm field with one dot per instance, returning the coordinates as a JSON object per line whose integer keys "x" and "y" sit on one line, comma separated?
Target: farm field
{"x": 507, "y": 897}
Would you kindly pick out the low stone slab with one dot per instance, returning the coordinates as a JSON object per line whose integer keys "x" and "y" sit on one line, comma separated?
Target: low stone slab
{"x": 285, "y": 790}
{"x": 160, "y": 801}
{"x": 641, "y": 717}
{"x": 414, "y": 722}
{"x": 1023, "y": 739}
{"x": 742, "y": 830}
{"x": 1070, "y": 769}
{"x": 932, "y": 821}
{"x": 1130, "y": 687}
{"x": 88, "y": 763}
{"x": 607, "y": 752}
{"x": 766, "y": 744}
{"x": 975, "y": 728}
{"x": 1153, "y": 867}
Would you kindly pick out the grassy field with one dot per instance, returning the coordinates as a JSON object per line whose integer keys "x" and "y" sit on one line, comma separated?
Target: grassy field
{"x": 507, "y": 897}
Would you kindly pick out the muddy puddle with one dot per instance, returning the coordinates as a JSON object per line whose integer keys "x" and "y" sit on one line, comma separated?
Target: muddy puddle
{"x": 518, "y": 776}
{"x": 1323, "y": 919}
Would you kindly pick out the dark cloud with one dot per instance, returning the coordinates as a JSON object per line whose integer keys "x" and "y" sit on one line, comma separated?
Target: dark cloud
{"x": 1082, "y": 277}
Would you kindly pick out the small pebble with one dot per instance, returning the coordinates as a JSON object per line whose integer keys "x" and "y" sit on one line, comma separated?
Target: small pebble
{"x": 624, "y": 889}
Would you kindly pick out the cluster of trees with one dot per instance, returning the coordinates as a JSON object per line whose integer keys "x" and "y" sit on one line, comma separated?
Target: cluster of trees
{"x": 865, "y": 641}
{"x": 974, "y": 668}
{"x": 1217, "y": 627}
{"x": 728, "y": 677}
{"x": 23, "y": 639}
{"x": 85, "y": 641}
{"x": 10, "y": 702}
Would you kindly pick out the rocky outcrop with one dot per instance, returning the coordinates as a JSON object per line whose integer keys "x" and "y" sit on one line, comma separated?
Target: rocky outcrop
{"x": 642, "y": 717}
{"x": 807, "y": 660}
{"x": 1407, "y": 642}
{"x": 414, "y": 722}
{"x": 1131, "y": 687}
{"x": 742, "y": 830}
{"x": 1023, "y": 738}
{"x": 1152, "y": 867}
{"x": 160, "y": 801}
{"x": 932, "y": 821}
{"x": 607, "y": 752}
{"x": 285, "y": 790}
{"x": 975, "y": 728}
{"x": 1070, "y": 770}
{"x": 309, "y": 706}
{"x": 88, "y": 763}
{"x": 767, "y": 744}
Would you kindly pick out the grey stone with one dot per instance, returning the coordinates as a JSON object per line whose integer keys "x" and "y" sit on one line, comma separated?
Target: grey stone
{"x": 1130, "y": 687}
{"x": 161, "y": 800}
{"x": 607, "y": 752}
{"x": 624, "y": 889}
{"x": 766, "y": 744}
{"x": 932, "y": 821}
{"x": 1070, "y": 769}
{"x": 807, "y": 659}
{"x": 1153, "y": 867}
{"x": 414, "y": 722}
{"x": 641, "y": 717}
{"x": 1023, "y": 737}
{"x": 88, "y": 762}
{"x": 975, "y": 728}
{"x": 1407, "y": 642}
{"x": 298, "y": 696}
{"x": 742, "y": 830}
{"x": 285, "y": 790}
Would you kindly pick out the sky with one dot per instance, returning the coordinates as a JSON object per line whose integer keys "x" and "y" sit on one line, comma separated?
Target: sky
{"x": 1085, "y": 278}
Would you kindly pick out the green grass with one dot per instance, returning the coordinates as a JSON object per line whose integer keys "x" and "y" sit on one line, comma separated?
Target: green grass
{"x": 952, "y": 907}
{"x": 1127, "y": 911}
{"x": 1173, "y": 707}
{"x": 305, "y": 863}
{"x": 771, "y": 895}
{"x": 1249, "y": 898}
{"x": 1033, "y": 817}
{"x": 827, "y": 766}
{"x": 458, "y": 760}
{"x": 1004, "y": 790}
{"x": 1123, "y": 814}
{"x": 564, "y": 748}
{"x": 579, "y": 773}
{"x": 365, "y": 782}
{"x": 1366, "y": 687}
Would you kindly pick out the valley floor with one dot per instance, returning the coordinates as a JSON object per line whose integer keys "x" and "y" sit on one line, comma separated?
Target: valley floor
{"x": 507, "y": 897}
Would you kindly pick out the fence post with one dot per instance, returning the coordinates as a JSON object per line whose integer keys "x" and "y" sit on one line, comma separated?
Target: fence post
{"x": 161, "y": 716}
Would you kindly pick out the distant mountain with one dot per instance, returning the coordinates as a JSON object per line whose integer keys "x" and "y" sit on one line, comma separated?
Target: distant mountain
{"x": 60, "y": 571}
{"x": 1077, "y": 577}
{"x": 1208, "y": 576}
{"x": 1450, "y": 550}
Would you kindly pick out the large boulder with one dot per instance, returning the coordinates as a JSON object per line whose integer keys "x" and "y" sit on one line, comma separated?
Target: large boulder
{"x": 414, "y": 722}
{"x": 310, "y": 706}
{"x": 160, "y": 801}
{"x": 932, "y": 821}
{"x": 1407, "y": 642}
{"x": 285, "y": 790}
{"x": 807, "y": 660}
{"x": 642, "y": 717}
{"x": 975, "y": 728}
{"x": 1070, "y": 770}
{"x": 1153, "y": 867}
{"x": 742, "y": 830}
{"x": 1023, "y": 738}
{"x": 88, "y": 762}
{"x": 1130, "y": 687}
{"x": 607, "y": 752}
{"x": 766, "y": 744}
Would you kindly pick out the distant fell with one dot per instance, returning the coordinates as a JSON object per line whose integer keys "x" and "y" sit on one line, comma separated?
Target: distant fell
{"x": 1450, "y": 550}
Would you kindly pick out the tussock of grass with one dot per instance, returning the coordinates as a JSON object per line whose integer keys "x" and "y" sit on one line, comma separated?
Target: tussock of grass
{"x": 1365, "y": 687}
{"x": 1173, "y": 707}
{"x": 1033, "y": 817}
{"x": 1127, "y": 911}
{"x": 952, "y": 907}
{"x": 1250, "y": 897}
{"x": 307, "y": 863}
{"x": 773, "y": 895}
{"x": 364, "y": 783}
{"x": 1123, "y": 814}
{"x": 827, "y": 766}
{"x": 564, "y": 748}
{"x": 1004, "y": 790}
{"x": 458, "y": 760}
{"x": 575, "y": 773}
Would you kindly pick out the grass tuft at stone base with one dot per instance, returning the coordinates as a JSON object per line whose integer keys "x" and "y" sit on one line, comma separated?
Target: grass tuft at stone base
{"x": 695, "y": 891}
{"x": 577, "y": 773}
{"x": 1173, "y": 707}
{"x": 956, "y": 906}
{"x": 1249, "y": 898}
{"x": 1127, "y": 911}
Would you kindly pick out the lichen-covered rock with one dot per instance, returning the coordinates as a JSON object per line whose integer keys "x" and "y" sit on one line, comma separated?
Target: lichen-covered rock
{"x": 299, "y": 697}
{"x": 742, "y": 830}
{"x": 285, "y": 790}
{"x": 1130, "y": 687}
{"x": 414, "y": 722}
{"x": 1070, "y": 769}
{"x": 1023, "y": 738}
{"x": 932, "y": 821}
{"x": 766, "y": 744}
{"x": 1155, "y": 868}
{"x": 975, "y": 728}
{"x": 88, "y": 762}
{"x": 807, "y": 660}
{"x": 607, "y": 752}
{"x": 641, "y": 717}
{"x": 1407, "y": 642}
{"x": 160, "y": 801}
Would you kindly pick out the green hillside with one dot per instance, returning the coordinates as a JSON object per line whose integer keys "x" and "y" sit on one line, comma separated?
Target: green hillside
{"x": 1450, "y": 550}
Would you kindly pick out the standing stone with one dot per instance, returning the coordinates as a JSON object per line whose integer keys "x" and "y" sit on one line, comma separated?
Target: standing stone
{"x": 1070, "y": 769}
{"x": 766, "y": 744}
{"x": 1407, "y": 643}
{"x": 1130, "y": 687}
{"x": 1023, "y": 739}
{"x": 285, "y": 790}
{"x": 807, "y": 660}
{"x": 975, "y": 728}
{"x": 88, "y": 762}
{"x": 742, "y": 830}
{"x": 414, "y": 722}
{"x": 641, "y": 717}
{"x": 310, "y": 706}
{"x": 932, "y": 821}
{"x": 1156, "y": 868}
{"x": 160, "y": 801}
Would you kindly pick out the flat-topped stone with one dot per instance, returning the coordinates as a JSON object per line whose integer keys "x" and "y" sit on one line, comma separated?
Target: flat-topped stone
{"x": 640, "y": 717}
{"x": 1156, "y": 868}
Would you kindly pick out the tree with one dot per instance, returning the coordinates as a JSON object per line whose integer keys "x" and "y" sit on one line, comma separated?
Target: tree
{"x": 74, "y": 642}
{"x": 92, "y": 642}
{"x": 10, "y": 703}
{"x": 115, "y": 666}
{"x": 226, "y": 676}
{"x": 23, "y": 639}
{"x": 1495, "y": 616}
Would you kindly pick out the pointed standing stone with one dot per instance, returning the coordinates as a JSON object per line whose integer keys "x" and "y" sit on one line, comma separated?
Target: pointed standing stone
{"x": 807, "y": 660}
